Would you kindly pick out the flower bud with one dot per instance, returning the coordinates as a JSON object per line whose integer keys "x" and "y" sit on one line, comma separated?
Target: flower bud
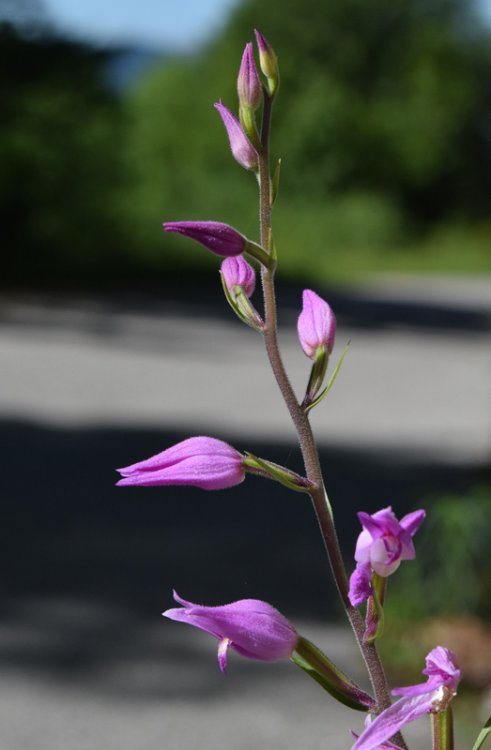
{"x": 221, "y": 239}
{"x": 238, "y": 281}
{"x": 202, "y": 462}
{"x": 237, "y": 272}
{"x": 249, "y": 87}
{"x": 242, "y": 149}
{"x": 316, "y": 324}
{"x": 268, "y": 62}
{"x": 251, "y": 627}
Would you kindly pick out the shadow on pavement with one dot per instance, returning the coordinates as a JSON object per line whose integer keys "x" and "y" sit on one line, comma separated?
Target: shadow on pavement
{"x": 354, "y": 307}
{"x": 85, "y": 564}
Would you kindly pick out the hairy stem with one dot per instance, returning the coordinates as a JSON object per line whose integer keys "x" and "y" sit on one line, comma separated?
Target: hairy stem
{"x": 304, "y": 431}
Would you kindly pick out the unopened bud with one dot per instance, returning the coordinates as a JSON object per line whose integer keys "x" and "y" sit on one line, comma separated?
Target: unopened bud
{"x": 316, "y": 324}
{"x": 220, "y": 238}
{"x": 249, "y": 86}
{"x": 242, "y": 149}
{"x": 239, "y": 280}
{"x": 268, "y": 63}
{"x": 237, "y": 272}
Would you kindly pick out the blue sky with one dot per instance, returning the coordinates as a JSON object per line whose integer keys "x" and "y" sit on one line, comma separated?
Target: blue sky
{"x": 157, "y": 23}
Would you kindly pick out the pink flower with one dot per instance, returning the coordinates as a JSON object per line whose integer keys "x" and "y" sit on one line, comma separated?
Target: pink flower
{"x": 221, "y": 239}
{"x": 242, "y": 149}
{"x": 198, "y": 461}
{"x": 432, "y": 696}
{"x": 316, "y": 324}
{"x": 381, "y": 546}
{"x": 237, "y": 272}
{"x": 249, "y": 87}
{"x": 251, "y": 627}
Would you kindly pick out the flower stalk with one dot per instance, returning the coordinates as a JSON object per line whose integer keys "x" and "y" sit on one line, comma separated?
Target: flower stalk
{"x": 300, "y": 419}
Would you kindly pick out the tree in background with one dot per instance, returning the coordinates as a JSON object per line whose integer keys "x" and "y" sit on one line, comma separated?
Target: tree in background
{"x": 60, "y": 149}
{"x": 386, "y": 128}
{"x": 386, "y": 120}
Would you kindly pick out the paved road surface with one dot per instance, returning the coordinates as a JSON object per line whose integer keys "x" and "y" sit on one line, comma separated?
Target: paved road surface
{"x": 89, "y": 666}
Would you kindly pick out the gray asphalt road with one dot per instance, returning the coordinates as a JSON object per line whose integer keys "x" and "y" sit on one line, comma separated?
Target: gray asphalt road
{"x": 418, "y": 388}
{"x": 411, "y": 384}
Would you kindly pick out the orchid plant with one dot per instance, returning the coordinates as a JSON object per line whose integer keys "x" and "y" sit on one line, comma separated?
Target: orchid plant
{"x": 253, "y": 628}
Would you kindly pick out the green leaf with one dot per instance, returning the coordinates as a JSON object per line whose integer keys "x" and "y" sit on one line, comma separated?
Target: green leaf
{"x": 375, "y": 612}
{"x": 328, "y": 387}
{"x": 485, "y": 731}
{"x": 275, "y": 183}
{"x": 317, "y": 665}
{"x": 281, "y": 474}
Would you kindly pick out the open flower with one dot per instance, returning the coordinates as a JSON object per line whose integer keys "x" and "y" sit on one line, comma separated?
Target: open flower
{"x": 242, "y": 149}
{"x": 381, "y": 546}
{"x": 203, "y": 462}
{"x": 432, "y": 696}
{"x": 251, "y": 627}
{"x": 221, "y": 239}
{"x": 316, "y": 324}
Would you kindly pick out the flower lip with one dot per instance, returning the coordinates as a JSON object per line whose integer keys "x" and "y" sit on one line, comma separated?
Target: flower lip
{"x": 251, "y": 627}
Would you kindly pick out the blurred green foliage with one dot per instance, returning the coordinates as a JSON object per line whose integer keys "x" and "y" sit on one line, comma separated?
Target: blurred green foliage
{"x": 452, "y": 575}
{"x": 444, "y": 596}
{"x": 382, "y": 123}
{"x": 60, "y": 145}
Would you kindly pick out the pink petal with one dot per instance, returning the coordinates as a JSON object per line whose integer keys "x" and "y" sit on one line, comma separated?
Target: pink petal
{"x": 390, "y": 721}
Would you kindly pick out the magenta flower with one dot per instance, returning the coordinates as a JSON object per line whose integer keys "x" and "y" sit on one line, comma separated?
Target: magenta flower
{"x": 381, "y": 546}
{"x": 251, "y": 627}
{"x": 249, "y": 86}
{"x": 221, "y": 239}
{"x": 242, "y": 149}
{"x": 198, "y": 461}
{"x": 316, "y": 324}
{"x": 238, "y": 272}
{"x": 432, "y": 696}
